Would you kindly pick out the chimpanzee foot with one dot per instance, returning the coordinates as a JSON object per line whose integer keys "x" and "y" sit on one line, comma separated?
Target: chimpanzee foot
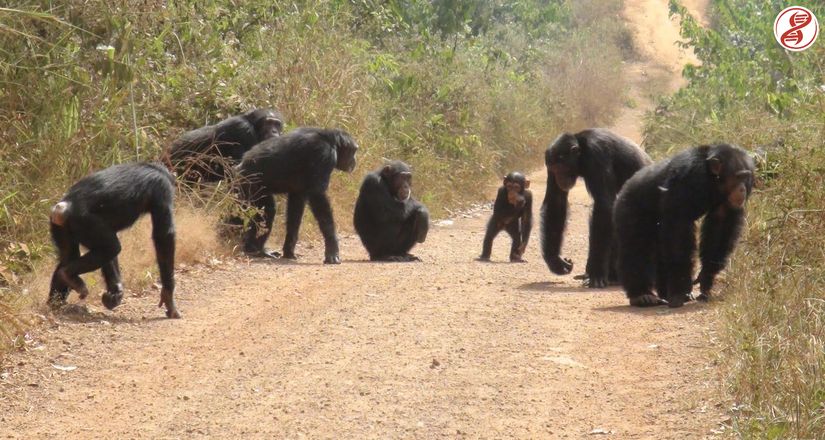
{"x": 332, "y": 259}
{"x": 704, "y": 297}
{"x": 517, "y": 259}
{"x": 582, "y": 277}
{"x": 595, "y": 282}
{"x": 263, "y": 253}
{"x": 647, "y": 300}
{"x": 167, "y": 298}
{"x": 483, "y": 259}
{"x": 112, "y": 299}
{"x": 75, "y": 283}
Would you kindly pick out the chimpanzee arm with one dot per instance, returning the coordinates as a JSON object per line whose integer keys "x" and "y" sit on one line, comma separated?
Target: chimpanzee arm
{"x": 720, "y": 232}
{"x": 163, "y": 234}
{"x": 319, "y": 204}
{"x": 554, "y": 217}
{"x": 526, "y": 219}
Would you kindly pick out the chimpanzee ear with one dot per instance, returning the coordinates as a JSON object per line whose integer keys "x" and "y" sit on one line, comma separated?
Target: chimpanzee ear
{"x": 714, "y": 165}
{"x": 505, "y": 181}
{"x": 386, "y": 172}
{"x": 526, "y": 183}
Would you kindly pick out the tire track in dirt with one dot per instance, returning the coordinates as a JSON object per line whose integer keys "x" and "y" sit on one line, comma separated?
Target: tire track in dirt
{"x": 449, "y": 347}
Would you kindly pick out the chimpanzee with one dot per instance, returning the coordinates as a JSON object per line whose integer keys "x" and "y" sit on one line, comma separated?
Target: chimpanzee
{"x": 655, "y": 214}
{"x": 298, "y": 164}
{"x": 388, "y": 220}
{"x": 605, "y": 160}
{"x": 94, "y": 210}
{"x": 202, "y": 154}
{"x": 513, "y": 212}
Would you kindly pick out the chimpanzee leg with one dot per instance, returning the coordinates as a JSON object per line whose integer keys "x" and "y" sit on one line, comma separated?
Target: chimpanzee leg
{"x": 163, "y": 234}
{"x": 101, "y": 240}
{"x": 319, "y": 203}
{"x": 493, "y": 228}
{"x": 413, "y": 230}
{"x": 254, "y": 242}
{"x": 296, "y": 204}
{"x": 514, "y": 230}
{"x": 613, "y": 272}
{"x": 601, "y": 238}
{"x": 68, "y": 250}
{"x": 636, "y": 257}
{"x": 677, "y": 242}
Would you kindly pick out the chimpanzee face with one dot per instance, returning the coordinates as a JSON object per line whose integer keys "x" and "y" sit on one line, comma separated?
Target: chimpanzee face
{"x": 402, "y": 186}
{"x": 734, "y": 172}
{"x": 345, "y": 154}
{"x": 270, "y": 127}
{"x": 562, "y": 161}
{"x": 516, "y": 183}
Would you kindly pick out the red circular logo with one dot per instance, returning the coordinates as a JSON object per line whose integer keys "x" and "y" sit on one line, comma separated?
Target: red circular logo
{"x": 796, "y": 28}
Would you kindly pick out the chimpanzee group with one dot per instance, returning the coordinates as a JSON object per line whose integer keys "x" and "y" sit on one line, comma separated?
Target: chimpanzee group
{"x": 642, "y": 231}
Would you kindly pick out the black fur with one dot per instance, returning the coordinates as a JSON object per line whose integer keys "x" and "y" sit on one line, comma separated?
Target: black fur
{"x": 94, "y": 210}
{"x": 203, "y": 154}
{"x": 390, "y": 225}
{"x": 605, "y": 160}
{"x": 512, "y": 213}
{"x": 298, "y": 164}
{"x": 655, "y": 215}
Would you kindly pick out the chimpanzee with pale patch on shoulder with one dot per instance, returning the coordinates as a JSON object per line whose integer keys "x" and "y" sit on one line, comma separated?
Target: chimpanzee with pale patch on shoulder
{"x": 388, "y": 219}
{"x": 655, "y": 216}
{"x": 91, "y": 214}
{"x": 512, "y": 212}
{"x": 204, "y": 154}
{"x": 298, "y": 164}
{"x": 605, "y": 160}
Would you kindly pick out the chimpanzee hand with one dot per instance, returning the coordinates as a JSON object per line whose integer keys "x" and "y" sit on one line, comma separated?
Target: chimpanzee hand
{"x": 596, "y": 282}
{"x": 332, "y": 259}
{"x": 705, "y": 282}
{"x": 560, "y": 266}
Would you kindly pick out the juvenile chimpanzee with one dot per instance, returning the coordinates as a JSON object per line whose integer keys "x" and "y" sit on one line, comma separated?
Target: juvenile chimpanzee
{"x": 202, "y": 154}
{"x": 605, "y": 160}
{"x": 388, "y": 220}
{"x": 298, "y": 164}
{"x": 513, "y": 212}
{"x": 655, "y": 214}
{"x": 94, "y": 210}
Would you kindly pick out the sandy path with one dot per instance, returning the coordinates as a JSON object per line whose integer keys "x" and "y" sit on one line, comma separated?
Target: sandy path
{"x": 445, "y": 348}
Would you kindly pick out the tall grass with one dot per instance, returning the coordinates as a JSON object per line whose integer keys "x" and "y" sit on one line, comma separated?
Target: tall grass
{"x": 772, "y": 315}
{"x": 90, "y": 83}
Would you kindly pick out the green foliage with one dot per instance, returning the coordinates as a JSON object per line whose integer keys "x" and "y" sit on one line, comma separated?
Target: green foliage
{"x": 461, "y": 89}
{"x": 750, "y": 91}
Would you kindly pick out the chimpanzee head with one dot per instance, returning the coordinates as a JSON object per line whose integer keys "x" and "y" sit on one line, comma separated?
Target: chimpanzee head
{"x": 398, "y": 177}
{"x": 516, "y": 183}
{"x": 562, "y": 160}
{"x": 345, "y": 149}
{"x": 734, "y": 170}
{"x": 268, "y": 123}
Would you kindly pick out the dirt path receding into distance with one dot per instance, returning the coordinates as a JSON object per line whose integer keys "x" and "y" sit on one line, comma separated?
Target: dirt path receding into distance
{"x": 449, "y": 347}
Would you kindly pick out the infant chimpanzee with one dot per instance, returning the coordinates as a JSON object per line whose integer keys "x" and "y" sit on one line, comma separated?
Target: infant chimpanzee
{"x": 513, "y": 212}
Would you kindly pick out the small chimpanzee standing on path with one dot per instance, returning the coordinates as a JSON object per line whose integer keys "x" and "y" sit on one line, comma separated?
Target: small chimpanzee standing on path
{"x": 513, "y": 212}
{"x": 605, "y": 160}
{"x": 655, "y": 217}
{"x": 388, "y": 220}
{"x": 299, "y": 164}
{"x": 91, "y": 214}
{"x": 205, "y": 153}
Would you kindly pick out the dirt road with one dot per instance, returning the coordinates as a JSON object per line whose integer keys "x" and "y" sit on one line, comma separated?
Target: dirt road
{"x": 449, "y": 347}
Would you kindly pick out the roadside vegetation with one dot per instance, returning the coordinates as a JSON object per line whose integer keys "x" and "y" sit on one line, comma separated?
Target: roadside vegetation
{"x": 750, "y": 91}
{"x": 463, "y": 90}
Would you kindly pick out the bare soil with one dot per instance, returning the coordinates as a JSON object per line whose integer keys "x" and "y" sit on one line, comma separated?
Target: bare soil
{"x": 448, "y": 347}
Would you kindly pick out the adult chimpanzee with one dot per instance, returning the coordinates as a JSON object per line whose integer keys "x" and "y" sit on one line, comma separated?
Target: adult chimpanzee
{"x": 298, "y": 164}
{"x": 605, "y": 160}
{"x": 655, "y": 214}
{"x": 513, "y": 212}
{"x": 388, "y": 220}
{"x": 94, "y": 210}
{"x": 202, "y": 154}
